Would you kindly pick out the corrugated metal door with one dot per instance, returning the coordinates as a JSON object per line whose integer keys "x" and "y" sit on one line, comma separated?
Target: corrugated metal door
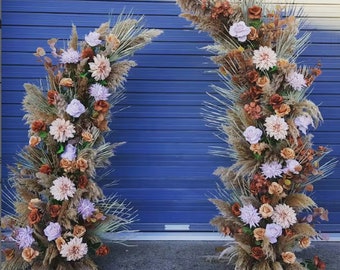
{"x": 164, "y": 170}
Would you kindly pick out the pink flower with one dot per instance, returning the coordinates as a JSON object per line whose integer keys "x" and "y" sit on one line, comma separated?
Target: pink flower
{"x": 284, "y": 216}
{"x": 62, "y": 188}
{"x": 62, "y": 130}
{"x": 252, "y": 134}
{"x": 239, "y": 30}
{"x": 264, "y": 58}
{"x": 276, "y": 127}
{"x": 100, "y": 67}
{"x": 74, "y": 250}
{"x": 93, "y": 39}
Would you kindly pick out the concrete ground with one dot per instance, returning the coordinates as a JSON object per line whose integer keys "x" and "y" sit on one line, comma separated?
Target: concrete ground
{"x": 190, "y": 255}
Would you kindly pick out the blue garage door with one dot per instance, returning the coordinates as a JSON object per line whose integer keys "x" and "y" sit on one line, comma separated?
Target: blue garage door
{"x": 165, "y": 169}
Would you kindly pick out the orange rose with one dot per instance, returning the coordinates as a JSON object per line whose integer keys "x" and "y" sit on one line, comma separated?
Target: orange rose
{"x": 259, "y": 234}
{"x": 275, "y": 188}
{"x": 252, "y": 76}
{"x": 102, "y": 106}
{"x": 287, "y": 153}
{"x": 29, "y": 254}
{"x": 254, "y": 12}
{"x": 60, "y": 242}
{"x": 87, "y": 136}
{"x": 67, "y": 82}
{"x": 78, "y": 231}
{"x": 257, "y": 253}
{"x": 253, "y": 34}
{"x": 9, "y": 253}
{"x": 103, "y": 250}
{"x": 51, "y": 97}
{"x": 304, "y": 242}
{"x": 38, "y": 125}
{"x": 266, "y": 210}
{"x": 288, "y": 257}
{"x": 82, "y": 164}
{"x": 34, "y": 141}
{"x": 283, "y": 110}
{"x": 34, "y": 216}
{"x": 45, "y": 168}
{"x": 235, "y": 209}
{"x": 54, "y": 210}
{"x": 67, "y": 165}
{"x": 262, "y": 81}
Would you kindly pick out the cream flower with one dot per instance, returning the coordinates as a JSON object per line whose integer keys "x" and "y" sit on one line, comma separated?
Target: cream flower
{"x": 74, "y": 250}
{"x": 93, "y": 39}
{"x": 288, "y": 257}
{"x": 276, "y": 127}
{"x": 62, "y": 130}
{"x": 100, "y": 67}
{"x": 266, "y": 210}
{"x": 259, "y": 234}
{"x": 296, "y": 80}
{"x": 264, "y": 58}
{"x": 284, "y": 216}
{"x": 62, "y": 188}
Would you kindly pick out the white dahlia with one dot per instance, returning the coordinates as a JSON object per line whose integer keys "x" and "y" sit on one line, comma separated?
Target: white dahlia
{"x": 62, "y": 130}
{"x": 74, "y": 250}
{"x": 100, "y": 67}
{"x": 264, "y": 58}
{"x": 284, "y": 215}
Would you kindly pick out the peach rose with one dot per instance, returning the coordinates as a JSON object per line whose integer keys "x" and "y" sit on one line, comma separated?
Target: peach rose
{"x": 259, "y": 234}
{"x": 266, "y": 210}
{"x": 253, "y": 34}
{"x": 283, "y": 110}
{"x": 34, "y": 141}
{"x": 262, "y": 81}
{"x": 87, "y": 136}
{"x": 309, "y": 187}
{"x": 103, "y": 250}
{"x": 34, "y": 216}
{"x": 60, "y": 242}
{"x": 67, "y": 82}
{"x": 82, "y": 164}
{"x": 288, "y": 257}
{"x": 258, "y": 148}
{"x": 287, "y": 153}
{"x": 254, "y": 12}
{"x": 29, "y": 254}
{"x": 67, "y": 165}
{"x": 304, "y": 242}
{"x": 78, "y": 231}
{"x": 275, "y": 188}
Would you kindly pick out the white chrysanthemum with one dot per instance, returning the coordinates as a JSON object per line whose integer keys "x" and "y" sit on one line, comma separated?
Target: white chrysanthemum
{"x": 284, "y": 215}
{"x": 271, "y": 169}
{"x": 264, "y": 58}
{"x": 61, "y": 130}
{"x": 100, "y": 67}
{"x": 70, "y": 56}
{"x": 250, "y": 215}
{"x": 302, "y": 122}
{"x": 296, "y": 80}
{"x": 99, "y": 92}
{"x": 74, "y": 250}
{"x": 276, "y": 127}
{"x": 93, "y": 39}
{"x": 62, "y": 188}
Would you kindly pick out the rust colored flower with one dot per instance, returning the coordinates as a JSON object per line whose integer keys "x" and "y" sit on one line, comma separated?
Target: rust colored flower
{"x": 254, "y": 12}
{"x": 9, "y": 253}
{"x": 87, "y": 136}
{"x": 54, "y": 210}
{"x": 82, "y": 181}
{"x": 265, "y": 199}
{"x": 288, "y": 233}
{"x": 235, "y": 209}
{"x": 87, "y": 53}
{"x": 253, "y": 35}
{"x": 288, "y": 257}
{"x": 221, "y": 8}
{"x": 252, "y": 76}
{"x": 34, "y": 216}
{"x": 102, "y": 106}
{"x": 67, "y": 165}
{"x": 259, "y": 234}
{"x": 67, "y": 82}
{"x": 29, "y": 254}
{"x": 262, "y": 81}
{"x": 45, "y": 168}
{"x": 276, "y": 100}
{"x": 259, "y": 184}
{"x": 51, "y": 97}
{"x": 82, "y": 164}
{"x": 100, "y": 122}
{"x": 59, "y": 242}
{"x": 38, "y": 125}
{"x": 254, "y": 110}
{"x": 79, "y": 231}
{"x": 103, "y": 250}
{"x": 34, "y": 141}
{"x": 321, "y": 265}
{"x": 257, "y": 253}
{"x": 287, "y": 153}
{"x": 309, "y": 188}
{"x": 283, "y": 110}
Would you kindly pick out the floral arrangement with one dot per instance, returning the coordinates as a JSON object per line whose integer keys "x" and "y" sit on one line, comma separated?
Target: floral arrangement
{"x": 61, "y": 210}
{"x": 263, "y": 113}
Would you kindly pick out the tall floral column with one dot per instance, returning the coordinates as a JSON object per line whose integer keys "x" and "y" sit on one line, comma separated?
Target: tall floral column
{"x": 61, "y": 210}
{"x": 263, "y": 114}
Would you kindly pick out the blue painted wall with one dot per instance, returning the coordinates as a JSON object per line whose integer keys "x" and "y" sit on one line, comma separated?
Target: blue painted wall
{"x": 164, "y": 169}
